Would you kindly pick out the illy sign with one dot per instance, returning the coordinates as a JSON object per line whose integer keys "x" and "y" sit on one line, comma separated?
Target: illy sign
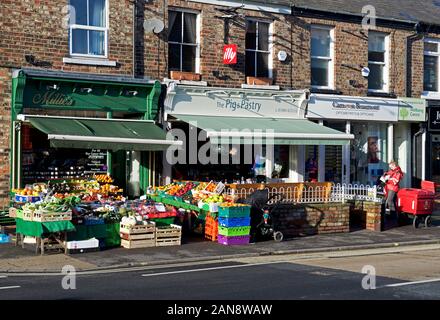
{"x": 230, "y": 54}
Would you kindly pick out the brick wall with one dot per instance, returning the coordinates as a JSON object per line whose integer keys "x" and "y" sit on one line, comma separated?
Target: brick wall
{"x": 35, "y": 28}
{"x": 313, "y": 219}
{"x": 5, "y": 105}
{"x": 365, "y": 215}
{"x": 212, "y": 41}
{"x": 292, "y": 34}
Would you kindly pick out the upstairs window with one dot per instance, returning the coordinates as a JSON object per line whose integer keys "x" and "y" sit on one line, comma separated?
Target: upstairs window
{"x": 431, "y": 66}
{"x": 322, "y": 60}
{"x": 258, "y": 49}
{"x": 89, "y": 28}
{"x": 183, "y": 41}
{"x": 378, "y": 61}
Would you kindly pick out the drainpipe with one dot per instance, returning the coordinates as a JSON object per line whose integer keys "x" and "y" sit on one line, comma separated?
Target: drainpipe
{"x": 414, "y": 158}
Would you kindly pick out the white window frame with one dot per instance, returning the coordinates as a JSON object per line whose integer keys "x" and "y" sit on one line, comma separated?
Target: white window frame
{"x": 385, "y": 64}
{"x": 197, "y": 44}
{"x": 270, "y": 46}
{"x": 330, "y": 59}
{"x": 432, "y": 54}
{"x": 91, "y": 28}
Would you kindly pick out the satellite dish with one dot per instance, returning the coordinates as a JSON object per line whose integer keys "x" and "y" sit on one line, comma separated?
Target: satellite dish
{"x": 154, "y": 25}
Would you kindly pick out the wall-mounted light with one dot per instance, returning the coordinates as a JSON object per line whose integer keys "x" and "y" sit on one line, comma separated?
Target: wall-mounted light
{"x": 53, "y": 87}
{"x": 87, "y": 90}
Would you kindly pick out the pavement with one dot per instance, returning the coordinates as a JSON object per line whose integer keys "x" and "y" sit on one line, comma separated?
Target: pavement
{"x": 196, "y": 249}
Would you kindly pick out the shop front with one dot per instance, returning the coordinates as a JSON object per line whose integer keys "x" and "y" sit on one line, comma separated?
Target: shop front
{"x": 382, "y": 130}
{"x": 72, "y": 126}
{"x": 243, "y": 135}
{"x": 430, "y": 139}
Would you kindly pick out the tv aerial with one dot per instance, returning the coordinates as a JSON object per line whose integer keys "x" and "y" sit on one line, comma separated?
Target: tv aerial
{"x": 231, "y": 12}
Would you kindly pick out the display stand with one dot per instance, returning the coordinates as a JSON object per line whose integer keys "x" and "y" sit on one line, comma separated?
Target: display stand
{"x": 43, "y": 232}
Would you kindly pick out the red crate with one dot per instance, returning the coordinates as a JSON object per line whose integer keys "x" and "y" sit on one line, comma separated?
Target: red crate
{"x": 211, "y": 228}
{"x": 415, "y": 201}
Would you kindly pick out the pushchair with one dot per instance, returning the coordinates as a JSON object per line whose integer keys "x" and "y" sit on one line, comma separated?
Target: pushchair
{"x": 264, "y": 218}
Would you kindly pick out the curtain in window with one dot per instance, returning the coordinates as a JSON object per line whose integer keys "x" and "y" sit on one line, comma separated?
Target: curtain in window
{"x": 189, "y": 35}
{"x": 174, "y": 31}
{"x": 97, "y": 13}
{"x": 96, "y": 19}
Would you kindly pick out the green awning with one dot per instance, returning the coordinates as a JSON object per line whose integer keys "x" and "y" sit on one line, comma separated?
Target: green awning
{"x": 264, "y": 130}
{"x": 107, "y": 134}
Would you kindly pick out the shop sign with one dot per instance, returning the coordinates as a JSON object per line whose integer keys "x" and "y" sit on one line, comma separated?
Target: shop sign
{"x": 230, "y": 54}
{"x": 235, "y": 102}
{"x": 411, "y": 109}
{"x": 352, "y": 108}
{"x": 52, "y": 98}
{"x": 96, "y": 161}
{"x": 434, "y": 118}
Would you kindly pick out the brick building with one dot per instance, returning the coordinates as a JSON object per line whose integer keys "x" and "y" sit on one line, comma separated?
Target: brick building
{"x": 392, "y": 50}
{"x": 282, "y": 46}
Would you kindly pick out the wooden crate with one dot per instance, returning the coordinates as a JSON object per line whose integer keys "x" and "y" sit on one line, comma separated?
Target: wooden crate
{"x": 133, "y": 244}
{"x": 138, "y": 236}
{"x": 169, "y": 236}
{"x": 12, "y": 212}
{"x": 138, "y": 229}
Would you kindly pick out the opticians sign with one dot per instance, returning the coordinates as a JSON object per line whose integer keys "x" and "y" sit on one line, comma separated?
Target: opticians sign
{"x": 352, "y": 108}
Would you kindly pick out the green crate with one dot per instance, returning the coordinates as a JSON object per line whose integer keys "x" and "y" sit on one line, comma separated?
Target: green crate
{"x": 234, "y": 212}
{"x": 234, "y": 232}
{"x": 163, "y": 222}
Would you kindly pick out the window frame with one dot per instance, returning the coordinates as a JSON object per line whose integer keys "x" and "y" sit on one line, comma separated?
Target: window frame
{"x": 91, "y": 28}
{"x": 270, "y": 47}
{"x": 432, "y": 54}
{"x": 181, "y": 44}
{"x": 385, "y": 64}
{"x": 330, "y": 59}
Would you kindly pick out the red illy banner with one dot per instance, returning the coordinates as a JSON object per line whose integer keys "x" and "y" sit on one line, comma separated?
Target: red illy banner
{"x": 230, "y": 54}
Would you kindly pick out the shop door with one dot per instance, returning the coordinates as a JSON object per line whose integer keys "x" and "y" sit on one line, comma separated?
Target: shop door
{"x": 435, "y": 159}
{"x": 334, "y": 164}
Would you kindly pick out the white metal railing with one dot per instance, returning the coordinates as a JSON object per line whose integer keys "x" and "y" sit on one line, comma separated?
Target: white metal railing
{"x": 316, "y": 194}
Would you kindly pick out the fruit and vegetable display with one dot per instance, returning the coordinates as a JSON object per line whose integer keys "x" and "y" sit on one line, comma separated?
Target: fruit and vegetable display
{"x": 104, "y": 178}
{"x": 50, "y": 206}
{"x": 97, "y": 213}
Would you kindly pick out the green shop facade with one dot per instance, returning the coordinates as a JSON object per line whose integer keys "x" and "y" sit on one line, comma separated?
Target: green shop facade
{"x": 71, "y": 125}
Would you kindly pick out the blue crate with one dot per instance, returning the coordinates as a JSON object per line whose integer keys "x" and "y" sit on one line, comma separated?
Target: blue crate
{"x": 93, "y": 222}
{"x": 4, "y": 238}
{"x": 19, "y": 198}
{"x": 234, "y": 222}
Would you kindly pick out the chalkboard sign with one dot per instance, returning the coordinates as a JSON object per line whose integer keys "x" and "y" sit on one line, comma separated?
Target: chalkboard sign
{"x": 96, "y": 161}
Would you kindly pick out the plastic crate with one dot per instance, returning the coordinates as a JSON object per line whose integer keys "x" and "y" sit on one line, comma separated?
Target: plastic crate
{"x": 230, "y": 241}
{"x": 20, "y": 198}
{"x": 93, "y": 222}
{"x": 163, "y": 221}
{"x": 211, "y": 222}
{"x": 235, "y": 231}
{"x": 234, "y": 222}
{"x": 4, "y": 238}
{"x": 234, "y": 212}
